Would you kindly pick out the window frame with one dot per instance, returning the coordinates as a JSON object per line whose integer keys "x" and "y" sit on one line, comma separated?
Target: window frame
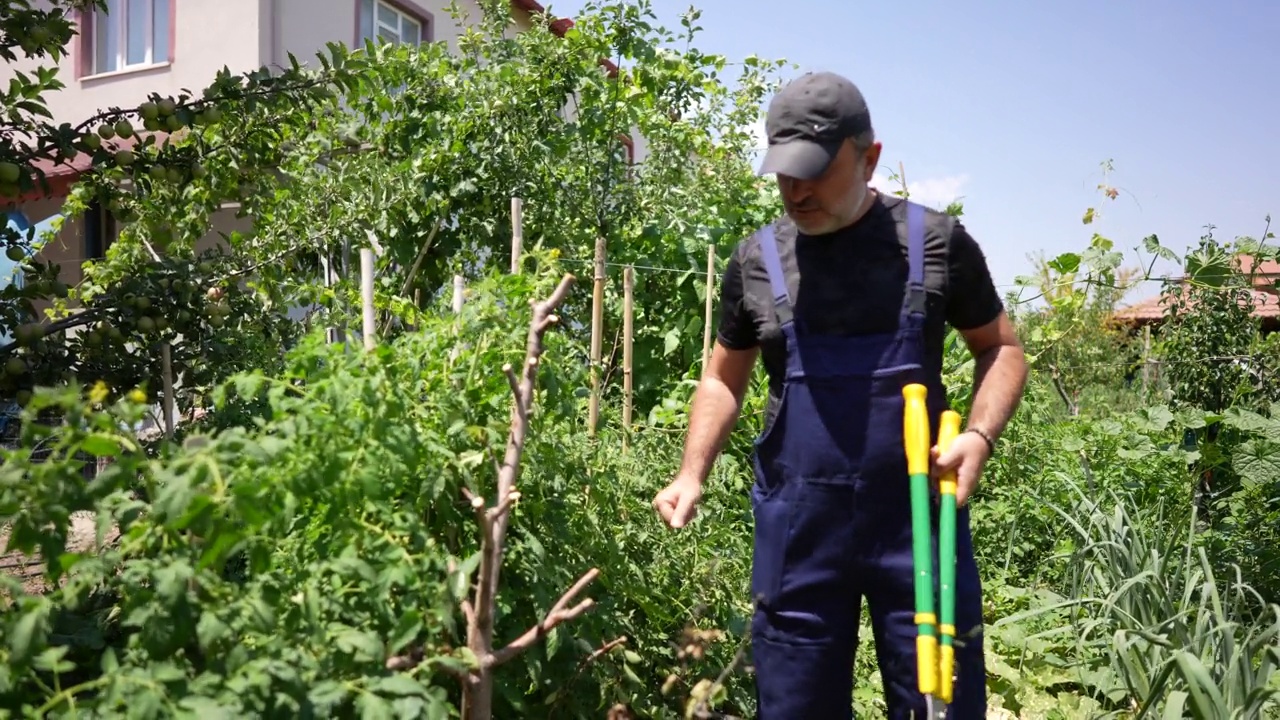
{"x": 403, "y": 11}
{"x": 89, "y": 20}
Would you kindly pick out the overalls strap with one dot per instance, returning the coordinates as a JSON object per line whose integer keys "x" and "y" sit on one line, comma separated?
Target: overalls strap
{"x": 777, "y": 280}
{"x": 916, "y": 301}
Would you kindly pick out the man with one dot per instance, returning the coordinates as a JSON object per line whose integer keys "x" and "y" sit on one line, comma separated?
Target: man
{"x": 845, "y": 300}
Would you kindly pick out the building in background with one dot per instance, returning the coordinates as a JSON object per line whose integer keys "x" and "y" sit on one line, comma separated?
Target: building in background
{"x": 138, "y": 47}
{"x": 142, "y": 46}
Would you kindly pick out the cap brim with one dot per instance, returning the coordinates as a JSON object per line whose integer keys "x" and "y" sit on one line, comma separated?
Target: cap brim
{"x": 800, "y": 159}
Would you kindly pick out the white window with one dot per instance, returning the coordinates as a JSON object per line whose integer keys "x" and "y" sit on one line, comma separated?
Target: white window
{"x": 131, "y": 33}
{"x": 387, "y": 22}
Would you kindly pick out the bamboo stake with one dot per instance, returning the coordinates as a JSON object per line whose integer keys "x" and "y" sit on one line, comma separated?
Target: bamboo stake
{"x": 706, "y": 328}
{"x": 628, "y": 324}
{"x": 517, "y": 233}
{"x": 597, "y": 330}
{"x": 366, "y": 292}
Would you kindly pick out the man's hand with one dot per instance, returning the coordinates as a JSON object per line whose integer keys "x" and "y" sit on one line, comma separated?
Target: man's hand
{"x": 678, "y": 502}
{"x": 967, "y": 455}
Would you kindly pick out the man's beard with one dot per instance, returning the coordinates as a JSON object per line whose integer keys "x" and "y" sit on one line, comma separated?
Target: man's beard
{"x": 824, "y": 222}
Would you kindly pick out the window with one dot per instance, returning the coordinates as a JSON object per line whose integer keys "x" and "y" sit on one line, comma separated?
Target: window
{"x": 99, "y": 231}
{"x": 131, "y": 33}
{"x": 389, "y": 23}
{"x": 10, "y": 271}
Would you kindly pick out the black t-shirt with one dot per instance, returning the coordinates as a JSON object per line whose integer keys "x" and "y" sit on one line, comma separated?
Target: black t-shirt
{"x": 854, "y": 282}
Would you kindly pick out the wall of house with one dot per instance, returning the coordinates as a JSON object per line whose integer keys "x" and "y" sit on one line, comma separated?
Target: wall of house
{"x": 241, "y": 35}
{"x": 302, "y": 27}
{"x": 205, "y": 36}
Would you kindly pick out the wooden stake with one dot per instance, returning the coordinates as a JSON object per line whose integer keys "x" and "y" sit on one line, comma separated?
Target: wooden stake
{"x": 458, "y": 288}
{"x": 628, "y": 320}
{"x": 330, "y": 279}
{"x": 166, "y": 372}
{"x": 366, "y": 292}
{"x": 597, "y": 330}
{"x": 344, "y": 328}
{"x": 1146, "y": 358}
{"x": 706, "y": 328}
{"x": 517, "y": 233}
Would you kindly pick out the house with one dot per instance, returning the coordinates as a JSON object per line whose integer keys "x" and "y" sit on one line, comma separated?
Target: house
{"x": 165, "y": 46}
{"x": 1264, "y": 279}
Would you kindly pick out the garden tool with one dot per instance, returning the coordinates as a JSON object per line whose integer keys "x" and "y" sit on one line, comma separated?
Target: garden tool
{"x": 935, "y": 650}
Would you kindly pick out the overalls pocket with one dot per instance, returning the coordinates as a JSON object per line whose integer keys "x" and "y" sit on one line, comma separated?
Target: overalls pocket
{"x": 772, "y": 509}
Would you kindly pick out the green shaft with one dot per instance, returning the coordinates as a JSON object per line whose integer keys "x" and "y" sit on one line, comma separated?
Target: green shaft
{"x": 947, "y": 562}
{"x": 920, "y": 548}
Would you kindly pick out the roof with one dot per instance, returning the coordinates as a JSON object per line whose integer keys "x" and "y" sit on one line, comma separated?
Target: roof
{"x": 1265, "y": 295}
{"x": 1265, "y": 305}
{"x": 1265, "y": 268}
{"x": 559, "y": 26}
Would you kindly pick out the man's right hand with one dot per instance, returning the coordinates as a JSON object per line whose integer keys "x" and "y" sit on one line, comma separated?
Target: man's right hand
{"x": 678, "y": 502}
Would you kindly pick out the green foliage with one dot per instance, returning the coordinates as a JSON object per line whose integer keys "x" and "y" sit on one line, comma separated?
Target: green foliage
{"x": 1217, "y": 353}
{"x": 314, "y": 525}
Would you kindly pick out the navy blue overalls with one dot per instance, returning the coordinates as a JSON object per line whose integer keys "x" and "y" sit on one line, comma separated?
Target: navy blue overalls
{"x": 833, "y": 517}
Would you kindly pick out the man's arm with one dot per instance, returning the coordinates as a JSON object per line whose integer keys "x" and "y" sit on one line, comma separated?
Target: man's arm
{"x": 716, "y": 405}
{"x": 975, "y": 309}
{"x": 718, "y": 399}
{"x": 999, "y": 375}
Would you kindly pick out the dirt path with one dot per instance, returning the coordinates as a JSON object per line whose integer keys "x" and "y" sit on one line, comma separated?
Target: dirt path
{"x": 82, "y": 537}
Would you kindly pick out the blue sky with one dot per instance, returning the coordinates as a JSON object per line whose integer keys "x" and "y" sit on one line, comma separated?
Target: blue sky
{"x": 1016, "y": 105}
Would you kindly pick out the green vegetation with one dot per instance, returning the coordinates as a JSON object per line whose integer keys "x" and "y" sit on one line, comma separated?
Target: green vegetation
{"x": 324, "y": 538}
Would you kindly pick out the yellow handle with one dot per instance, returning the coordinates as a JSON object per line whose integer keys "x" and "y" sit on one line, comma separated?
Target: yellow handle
{"x": 947, "y": 661}
{"x": 915, "y": 420}
{"x": 948, "y": 431}
{"x": 927, "y": 664}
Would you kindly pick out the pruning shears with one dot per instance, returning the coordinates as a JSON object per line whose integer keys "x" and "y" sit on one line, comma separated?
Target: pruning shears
{"x": 935, "y": 648}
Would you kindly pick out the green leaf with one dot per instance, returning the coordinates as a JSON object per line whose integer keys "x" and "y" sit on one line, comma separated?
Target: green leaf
{"x": 205, "y": 709}
{"x": 406, "y": 630}
{"x": 1066, "y": 263}
{"x": 553, "y": 639}
{"x": 27, "y": 632}
{"x": 1257, "y": 461}
{"x": 1175, "y": 705}
{"x": 327, "y": 694}
{"x": 101, "y": 445}
{"x": 398, "y": 685}
{"x": 363, "y": 645}
{"x": 671, "y": 341}
{"x": 373, "y": 707}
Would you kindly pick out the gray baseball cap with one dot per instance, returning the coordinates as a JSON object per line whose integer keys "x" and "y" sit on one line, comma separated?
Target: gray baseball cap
{"x": 808, "y": 120}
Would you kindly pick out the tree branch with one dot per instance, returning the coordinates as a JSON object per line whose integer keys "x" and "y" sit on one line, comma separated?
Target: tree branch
{"x": 559, "y": 613}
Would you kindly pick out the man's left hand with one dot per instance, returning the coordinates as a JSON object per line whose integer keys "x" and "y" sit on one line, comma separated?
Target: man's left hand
{"x": 967, "y": 455}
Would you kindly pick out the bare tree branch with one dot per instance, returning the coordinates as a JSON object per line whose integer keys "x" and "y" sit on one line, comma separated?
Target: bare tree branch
{"x": 560, "y": 612}
{"x": 477, "y": 685}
